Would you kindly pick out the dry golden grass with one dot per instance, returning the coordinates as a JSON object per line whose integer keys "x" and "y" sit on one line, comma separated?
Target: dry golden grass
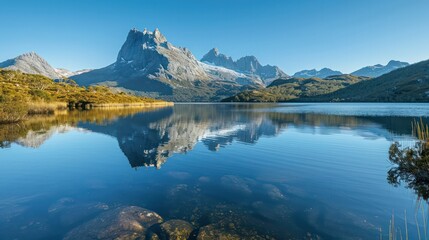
{"x": 45, "y": 107}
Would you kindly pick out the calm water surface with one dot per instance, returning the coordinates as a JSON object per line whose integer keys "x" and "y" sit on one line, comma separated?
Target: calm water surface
{"x": 283, "y": 171}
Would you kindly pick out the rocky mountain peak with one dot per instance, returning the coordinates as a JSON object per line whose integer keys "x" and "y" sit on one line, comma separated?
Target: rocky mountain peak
{"x": 31, "y": 63}
{"x": 158, "y": 37}
{"x": 214, "y": 52}
{"x": 216, "y": 58}
{"x": 248, "y": 64}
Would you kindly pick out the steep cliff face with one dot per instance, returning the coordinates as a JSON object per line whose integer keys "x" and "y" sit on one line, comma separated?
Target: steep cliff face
{"x": 151, "y": 54}
{"x": 148, "y": 64}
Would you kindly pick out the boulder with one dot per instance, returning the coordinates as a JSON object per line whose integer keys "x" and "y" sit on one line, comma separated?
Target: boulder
{"x": 176, "y": 229}
{"x": 122, "y": 223}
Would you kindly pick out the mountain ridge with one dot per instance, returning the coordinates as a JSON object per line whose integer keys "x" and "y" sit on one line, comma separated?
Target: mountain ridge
{"x": 246, "y": 65}
{"x": 322, "y": 73}
{"x": 378, "y": 69}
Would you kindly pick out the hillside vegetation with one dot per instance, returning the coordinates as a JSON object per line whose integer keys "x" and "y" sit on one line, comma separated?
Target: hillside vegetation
{"x": 23, "y": 94}
{"x": 282, "y": 90}
{"x": 408, "y": 84}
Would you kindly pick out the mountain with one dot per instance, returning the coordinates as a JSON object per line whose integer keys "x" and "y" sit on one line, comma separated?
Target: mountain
{"x": 246, "y": 65}
{"x": 324, "y": 72}
{"x": 291, "y": 89}
{"x": 147, "y": 64}
{"x": 407, "y": 84}
{"x": 67, "y": 73}
{"x": 30, "y": 63}
{"x": 378, "y": 70}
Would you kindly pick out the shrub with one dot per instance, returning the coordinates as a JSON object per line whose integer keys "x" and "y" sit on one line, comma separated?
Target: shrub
{"x": 12, "y": 111}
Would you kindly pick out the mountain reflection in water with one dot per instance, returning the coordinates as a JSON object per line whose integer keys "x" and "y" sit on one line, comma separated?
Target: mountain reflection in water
{"x": 149, "y": 137}
{"x": 283, "y": 171}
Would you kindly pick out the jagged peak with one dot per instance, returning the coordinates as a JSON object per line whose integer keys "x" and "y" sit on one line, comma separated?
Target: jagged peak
{"x": 29, "y": 54}
{"x": 147, "y": 36}
{"x": 249, "y": 57}
{"x": 214, "y": 51}
{"x": 158, "y": 36}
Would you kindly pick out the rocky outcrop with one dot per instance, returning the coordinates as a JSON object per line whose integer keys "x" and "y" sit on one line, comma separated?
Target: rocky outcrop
{"x": 122, "y": 223}
{"x": 176, "y": 229}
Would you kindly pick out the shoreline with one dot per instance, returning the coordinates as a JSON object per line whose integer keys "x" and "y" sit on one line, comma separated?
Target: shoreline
{"x": 61, "y": 108}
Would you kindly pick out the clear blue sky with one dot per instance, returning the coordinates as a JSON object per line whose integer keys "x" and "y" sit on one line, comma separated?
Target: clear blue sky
{"x": 295, "y": 35}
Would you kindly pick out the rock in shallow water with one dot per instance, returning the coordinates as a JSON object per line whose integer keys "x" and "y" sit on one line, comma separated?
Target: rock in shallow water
{"x": 235, "y": 184}
{"x": 176, "y": 230}
{"x": 121, "y": 223}
{"x": 273, "y": 192}
{"x": 228, "y": 231}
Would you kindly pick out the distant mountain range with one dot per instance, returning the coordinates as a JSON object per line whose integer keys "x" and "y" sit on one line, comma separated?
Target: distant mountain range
{"x": 247, "y": 65}
{"x": 324, "y": 72}
{"x": 406, "y": 84}
{"x": 378, "y": 70}
{"x": 369, "y": 71}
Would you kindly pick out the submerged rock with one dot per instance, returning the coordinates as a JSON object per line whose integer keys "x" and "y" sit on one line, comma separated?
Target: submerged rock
{"x": 236, "y": 184}
{"x": 227, "y": 231}
{"x": 273, "y": 192}
{"x": 204, "y": 179}
{"x": 61, "y": 204}
{"x": 179, "y": 175}
{"x": 214, "y": 232}
{"x": 121, "y": 223}
{"x": 68, "y": 211}
{"x": 176, "y": 230}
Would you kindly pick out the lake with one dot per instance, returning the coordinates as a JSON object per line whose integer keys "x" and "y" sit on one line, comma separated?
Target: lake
{"x": 261, "y": 171}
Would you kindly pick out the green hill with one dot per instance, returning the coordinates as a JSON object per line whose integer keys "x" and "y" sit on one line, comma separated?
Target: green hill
{"x": 22, "y": 94}
{"x": 408, "y": 84}
{"x": 282, "y": 90}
